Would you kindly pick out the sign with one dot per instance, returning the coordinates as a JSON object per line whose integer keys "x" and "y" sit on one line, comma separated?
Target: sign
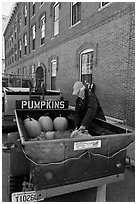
{"x": 24, "y": 196}
{"x": 87, "y": 145}
{"x": 49, "y": 104}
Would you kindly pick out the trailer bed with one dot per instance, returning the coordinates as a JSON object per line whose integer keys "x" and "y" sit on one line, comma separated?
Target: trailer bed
{"x": 60, "y": 162}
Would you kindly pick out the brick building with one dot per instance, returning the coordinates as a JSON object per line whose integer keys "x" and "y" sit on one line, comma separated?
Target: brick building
{"x": 4, "y": 21}
{"x": 62, "y": 42}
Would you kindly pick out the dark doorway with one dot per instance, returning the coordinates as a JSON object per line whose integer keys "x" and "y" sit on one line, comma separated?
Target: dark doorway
{"x": 39, "y": 77}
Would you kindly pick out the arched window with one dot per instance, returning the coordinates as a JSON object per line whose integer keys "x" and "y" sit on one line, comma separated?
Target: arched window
{"x": 86, "y": 65}
{"x": 53, "y": 74}
{"x": 53, "y": 64}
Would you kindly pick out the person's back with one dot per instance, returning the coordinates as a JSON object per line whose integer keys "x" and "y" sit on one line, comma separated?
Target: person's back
{"x": 99, "y": 112}
{"x": 90, "y": 109}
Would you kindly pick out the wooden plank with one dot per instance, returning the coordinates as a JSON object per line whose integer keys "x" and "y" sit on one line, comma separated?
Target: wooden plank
{"x": 101, "y": 193}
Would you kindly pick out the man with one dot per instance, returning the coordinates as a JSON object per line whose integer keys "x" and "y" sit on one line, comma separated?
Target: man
{"x": 87, "y": 107}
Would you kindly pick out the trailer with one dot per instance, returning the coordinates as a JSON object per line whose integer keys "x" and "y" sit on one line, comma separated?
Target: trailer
{"x": 40, "y": 169}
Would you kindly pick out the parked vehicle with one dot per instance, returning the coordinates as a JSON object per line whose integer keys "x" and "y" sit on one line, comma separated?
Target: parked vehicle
{"x": 44, "y": 168}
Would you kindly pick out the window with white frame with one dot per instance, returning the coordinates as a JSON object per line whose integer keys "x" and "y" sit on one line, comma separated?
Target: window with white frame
{"x": 24, "y": 71}
{"x": 25, "y": 14}
{"x": 86, "y": 66}
{"x": 56, "y": 20}
{"x": 33, "y": 69}
{"x": 15, "y": 31}
{"x": 43, "y": 28}
{"x": 20, "y": 48}
{"x": 33, "y": 28}
{"x": 19, "y": 71}
{"x": 33, "y": 8}
{"x": 75, "y": 12}
{"x": 103, "y": 4}
{"x": 53, "y": 74}
{"x": 10, "y": 41}
{"x": 25, "y": 43}
{"x": 12, "y": 38}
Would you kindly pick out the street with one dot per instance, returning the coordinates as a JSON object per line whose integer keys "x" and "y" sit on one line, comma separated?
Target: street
{"x": 123, "y": 191}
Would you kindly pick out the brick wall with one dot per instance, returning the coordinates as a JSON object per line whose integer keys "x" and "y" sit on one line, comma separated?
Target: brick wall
{"x": 110, "y": 33}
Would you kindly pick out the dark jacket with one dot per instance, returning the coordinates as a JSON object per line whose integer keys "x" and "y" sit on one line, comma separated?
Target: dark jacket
{"x": 87, "y": 109}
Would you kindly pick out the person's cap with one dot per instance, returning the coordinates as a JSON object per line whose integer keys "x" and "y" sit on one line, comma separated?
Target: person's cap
{"x": 77, "y": 86}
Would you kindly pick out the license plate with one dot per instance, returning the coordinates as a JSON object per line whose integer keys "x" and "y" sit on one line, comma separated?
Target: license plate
{"x": 30, "y": 196}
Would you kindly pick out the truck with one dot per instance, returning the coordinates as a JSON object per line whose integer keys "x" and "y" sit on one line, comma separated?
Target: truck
{"x": 40, "y": 169}
{"x": 21, "y": 87}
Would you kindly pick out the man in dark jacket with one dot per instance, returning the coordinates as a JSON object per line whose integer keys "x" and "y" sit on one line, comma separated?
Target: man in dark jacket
{"x": 87, "y": 107}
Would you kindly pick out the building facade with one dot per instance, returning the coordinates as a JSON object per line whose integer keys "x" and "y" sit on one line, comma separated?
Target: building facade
{"x": 59, "y": 43}
{"x": 4, "y": 21}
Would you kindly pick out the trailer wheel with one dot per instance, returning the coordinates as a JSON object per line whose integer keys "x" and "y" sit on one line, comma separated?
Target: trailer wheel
{"x": 15, "y": 184}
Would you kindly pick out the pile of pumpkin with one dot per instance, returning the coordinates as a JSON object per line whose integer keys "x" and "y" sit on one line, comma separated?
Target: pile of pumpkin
{"x": 45, "y": 128}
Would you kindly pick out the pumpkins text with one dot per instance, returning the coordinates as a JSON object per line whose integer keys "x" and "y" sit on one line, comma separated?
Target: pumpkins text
{"x": 49, "y": 104}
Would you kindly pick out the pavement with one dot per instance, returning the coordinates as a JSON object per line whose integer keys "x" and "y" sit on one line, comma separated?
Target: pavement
{"x": 122, "y": 191}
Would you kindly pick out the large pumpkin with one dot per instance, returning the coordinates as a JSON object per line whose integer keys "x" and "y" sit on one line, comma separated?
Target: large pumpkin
{"x": 46, "y": 123}
{"x": 32, "y": 127}
{"x": 60, "y": 123}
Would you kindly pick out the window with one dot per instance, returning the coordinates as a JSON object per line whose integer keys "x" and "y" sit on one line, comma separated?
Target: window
{"x": 75, "y": 12}
{"x": 56, "y": 20}
{"x": 53, "y": 74}
{"x": 33, "y": 8}
{"x": 25, "y": 44}
{"x": 103, "y": 4}
{"x": 20, "y": 47}
{"x": 12, "y": 58}
{"x": 33, "y": 36}
{"x": 19, "y": 20}
{"x": 86, "y": 65}
{"x": 12, "y": 38}
{"x": 10, "y": 41}
{"x": 15, "y": 55}
{"x": 33, "y": 70}
{"x": 19, "y": 71}
{"x": 25, "y": 14}
{"x": 24, "y": 71}
{"x": 43, "y": 28}
{"x": 15, "y": 31}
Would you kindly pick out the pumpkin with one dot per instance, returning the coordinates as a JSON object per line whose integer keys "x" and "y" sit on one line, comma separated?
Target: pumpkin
{"x": 49, "y": 135}
{"x": 62, "y": 134}
{"x": 27, "y": 119}
{"x": 60, "y": 123}
{"x": 32, "y": 127}
{"x": 46, "y": 123}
